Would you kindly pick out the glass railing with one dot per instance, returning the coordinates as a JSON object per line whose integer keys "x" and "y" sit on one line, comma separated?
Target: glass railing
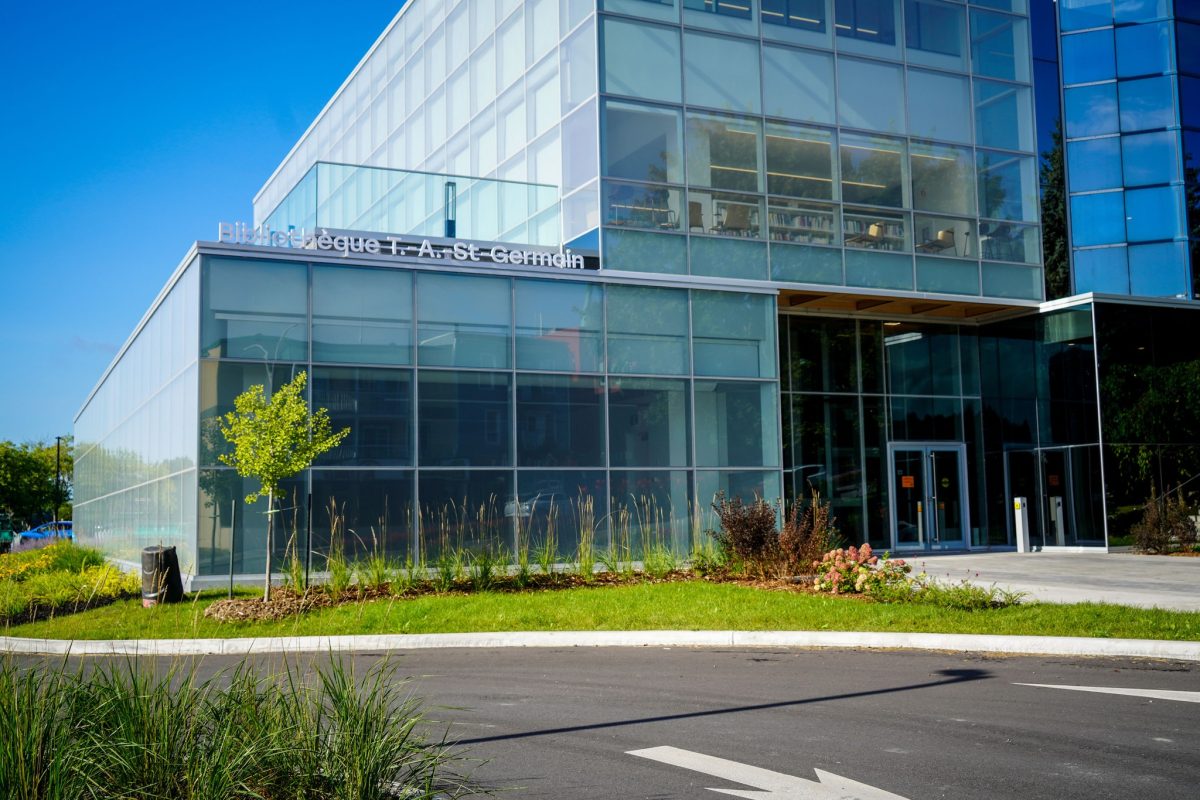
{"x": 406, "y": 203}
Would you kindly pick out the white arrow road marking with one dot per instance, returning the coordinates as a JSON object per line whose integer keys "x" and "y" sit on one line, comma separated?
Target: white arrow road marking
{"x": 774, "y": 785}
{"x": 1156, "y": 694}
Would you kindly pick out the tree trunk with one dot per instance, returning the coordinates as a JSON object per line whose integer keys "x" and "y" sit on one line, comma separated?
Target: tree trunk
{"x": 270, "y": 526}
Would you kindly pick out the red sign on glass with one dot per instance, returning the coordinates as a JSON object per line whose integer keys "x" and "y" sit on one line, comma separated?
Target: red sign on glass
{"x": 908, "y": 481}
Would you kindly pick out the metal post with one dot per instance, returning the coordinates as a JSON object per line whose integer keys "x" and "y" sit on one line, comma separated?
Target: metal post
{"x": 451, "y": 209}
{"x": 57, "y": 481}
{"x": 308, "y": 541}
{"x": 232, "y": 533}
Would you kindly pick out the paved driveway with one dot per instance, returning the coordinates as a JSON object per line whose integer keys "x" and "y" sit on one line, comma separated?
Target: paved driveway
{"x": 1125, "y": 578}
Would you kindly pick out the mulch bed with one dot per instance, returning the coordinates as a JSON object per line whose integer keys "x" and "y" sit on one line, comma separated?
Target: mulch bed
{"x": 286, "y": 602}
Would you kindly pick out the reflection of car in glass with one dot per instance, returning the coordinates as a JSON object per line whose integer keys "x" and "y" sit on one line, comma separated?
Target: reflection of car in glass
{"x": 535, "y": 504}
{"x": 62, "y": 529}
{"x": 6, "y": 533}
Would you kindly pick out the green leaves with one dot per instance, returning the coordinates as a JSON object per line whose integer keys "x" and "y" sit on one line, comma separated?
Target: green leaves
{"x": 277, "y": 438}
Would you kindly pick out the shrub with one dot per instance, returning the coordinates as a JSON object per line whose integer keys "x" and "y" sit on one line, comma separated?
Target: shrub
{"x": 807, "y": 534}
{"x": 748, "y": 533}
{"x": 1167, "y": 524}
{"x": 66, "y": 556}
{"x": 43, "y": 593}
{"x": 857, "y": 570}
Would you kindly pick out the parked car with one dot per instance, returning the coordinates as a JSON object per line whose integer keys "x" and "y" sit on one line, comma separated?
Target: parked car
{"x": 47, "y": 530}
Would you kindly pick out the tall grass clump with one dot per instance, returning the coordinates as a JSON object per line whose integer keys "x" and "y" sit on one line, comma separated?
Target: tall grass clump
{"x": 120, "y": 730}
{"x": 585, "y": 517}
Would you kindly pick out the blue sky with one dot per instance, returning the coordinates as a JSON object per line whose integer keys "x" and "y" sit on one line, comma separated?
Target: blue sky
{"x": 128, "y": 130}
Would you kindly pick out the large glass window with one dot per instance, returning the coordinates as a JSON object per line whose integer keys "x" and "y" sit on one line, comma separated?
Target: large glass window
{"x": 1147, "y": 103}
{"x": 1007, "y": 186}
{"x": 1104, "y": 269}
{"x": 943, "y": 179}
{"x": 376, "y": 404}
{"x": 720, "y": 72}
{"x": 799, "y": 15}
{"x": 866, "y": 22}
{"x": 723, "y": 152}
{"x": 939, "y": 106}
{"x": 1003, "y": 116}
{"x": 559, "y": 326}
{"x": 560, "y": 421}
{"x": 934, "y": 34}
{"x": 465, "y": 419}
{"x": 1149, "y": 158}
{"x": 921, "y": 359}
{"x": 465, "y": 510}
{"x": 1159, "y": 270}
{"x": 1007, "y": 241}
{"x": 254, "y": 309}
{"x": 1145, "y": 50}
{"x": 1090, "y": 110}
{"x": 733, "y": 334}
{"x": 736, "y": 424}
{"x": 944, "y": 236}
{"x": 1075, "y": 15}
{"x": 1097, "y": 219}
{"x": 648, "y": 423}
{"x": 721, "y": 14}
{"x": 999, "y": 45}
{"x": 1088, "y": 57}
{"x": 1154, "y": 214}
{"x": 1094, "y": 164}
{"x": 725, "y": 214}
{"x": 220, "y": 383}
{"x": 369, "y": 511}
{"x": 647, "y": 330}
{"x": 362, "y": 315}
{"x": 870, "y": 95}
{"x": 869, "y": 229}
{"x": 872, "y": 170}
{"x": 643, "y": 143}
{"x": 641, "y": 60}
{"x": 800, "y": 161}
{"x": 463, "y": 320}
{"x": 650, "y": 508}
{"x": 798, "y": 84}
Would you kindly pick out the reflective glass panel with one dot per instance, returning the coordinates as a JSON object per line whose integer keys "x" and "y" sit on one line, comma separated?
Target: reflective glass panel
{"x": 1154, "y": 214}
{"x": 726, "y": 214}
{"x": 557, "y": 507}
{"x": 733, "y": 334}
{"x": 1142, "y": 10}
{"x": 650, "y": 508}
{"x": 868, "y": 21}
{"x": 220, "y": 383}
{"x": 733, "y": 86}
{"x": 943, "y": 236}
{"x": 870, "y": 95}
{"x": 731, "y": 255}
{"x": 641, "y": 60}
{"x": 723, "y": 152}
{"x": 647, "y": 330}
{"x": 943, "y": 178}
{"x": 736, "y": 424}
{"x": 1094, "y": 164}
{"x": 376, "y": 405}
{"x": 641, "y": 205}
{"x": 1150, "y": 158}
{"x": 804, "y": 15}
{"x": 465, "y": 510}
{"x": 560, "y": 421}
{"x": 559, "y": 326}
{"x": 921, "y": 359}
{"x": 939, "y": 106}
{"x": 1145, "y": 50}
{"x": 1097, "y": 219}
{"x": 1008, "y": 187}
{"x": 1077, "y": 15}
{"x": 1088, "y": 57}
{"x": 802, "y": 221}
{"x": 798, "y": 84}
{"x": 362, "y": 315}
{"x": 464, "y": 419}
{"x": 934, "y": 34}
{"x": 872, "y": 170}
{"x": 1159, "y": 270}
{"x": 800, "y": 161}
{"x": 642, "y": 142}
{"x": 1090, "y": 110}
{"x": 999, "y": 46}
{"x": 362, "y": 512}
{"x": 642, "y": 251}
{"x": 648, "y": 423}
{"x": 1007, "y": 241}
{"x": 254, "y": 309}
{"x": 463, "y": 320}
{"x": 1104, "y": 270}
{"x": 1003, "y": 116}
{"x": 1147, "y": 103}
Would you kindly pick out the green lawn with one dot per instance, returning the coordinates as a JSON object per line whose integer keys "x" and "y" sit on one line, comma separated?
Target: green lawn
{"x": 692, "y": 605}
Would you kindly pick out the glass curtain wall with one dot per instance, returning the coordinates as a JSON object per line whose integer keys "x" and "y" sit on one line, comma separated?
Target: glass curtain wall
{"x": 869, "y": 143}
{"x": 489, "y": 411}
{"x": 1129, "y": 80}
{"x": 136, "y": 438}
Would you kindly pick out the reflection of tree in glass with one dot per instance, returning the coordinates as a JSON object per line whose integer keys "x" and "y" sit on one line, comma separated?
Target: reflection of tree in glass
{"x": 1054, "y": 218}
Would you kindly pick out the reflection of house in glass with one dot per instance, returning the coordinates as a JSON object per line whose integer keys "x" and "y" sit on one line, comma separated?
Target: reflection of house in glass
{"x": 817, "y": 227}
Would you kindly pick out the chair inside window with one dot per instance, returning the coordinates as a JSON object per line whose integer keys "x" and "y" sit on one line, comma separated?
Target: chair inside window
{"x": 737, "y": 220}
{"x": 695, "y": 215}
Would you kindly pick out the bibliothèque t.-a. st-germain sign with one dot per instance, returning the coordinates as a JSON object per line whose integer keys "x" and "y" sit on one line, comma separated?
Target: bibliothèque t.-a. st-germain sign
{"x": 349, "y": 243}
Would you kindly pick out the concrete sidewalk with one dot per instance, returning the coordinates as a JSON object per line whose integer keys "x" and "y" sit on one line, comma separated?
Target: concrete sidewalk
{"x": 1125, "y": 578}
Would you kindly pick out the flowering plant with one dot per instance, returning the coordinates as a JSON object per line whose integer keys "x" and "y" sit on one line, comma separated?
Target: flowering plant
{"x": 857, "y": 570}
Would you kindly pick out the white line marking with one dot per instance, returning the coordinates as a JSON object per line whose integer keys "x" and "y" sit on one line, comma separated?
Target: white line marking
{"x": 772, "y": 785}
{"x": 1154, "y": 694}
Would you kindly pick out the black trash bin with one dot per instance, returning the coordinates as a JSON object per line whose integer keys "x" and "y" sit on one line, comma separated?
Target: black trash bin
{"x": 161, "y": 579}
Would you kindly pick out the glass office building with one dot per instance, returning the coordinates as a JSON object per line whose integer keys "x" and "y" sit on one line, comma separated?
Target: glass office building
{"x": 816, "y": 231}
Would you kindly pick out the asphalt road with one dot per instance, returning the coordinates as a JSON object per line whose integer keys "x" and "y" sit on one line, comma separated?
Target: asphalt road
{"x": 561, "y": 723}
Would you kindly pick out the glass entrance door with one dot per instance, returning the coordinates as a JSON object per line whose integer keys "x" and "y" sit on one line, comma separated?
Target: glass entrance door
{"x": 928, "y": 512}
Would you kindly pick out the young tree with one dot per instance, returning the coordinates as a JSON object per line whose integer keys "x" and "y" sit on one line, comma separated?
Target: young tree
{"x": 273, "y": 440}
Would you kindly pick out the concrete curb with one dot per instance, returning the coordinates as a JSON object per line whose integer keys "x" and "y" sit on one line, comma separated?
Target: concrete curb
{"x": 963, "y": 643}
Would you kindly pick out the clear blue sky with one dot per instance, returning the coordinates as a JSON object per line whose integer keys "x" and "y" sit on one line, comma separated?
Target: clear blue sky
{"x": 127, "y": 131}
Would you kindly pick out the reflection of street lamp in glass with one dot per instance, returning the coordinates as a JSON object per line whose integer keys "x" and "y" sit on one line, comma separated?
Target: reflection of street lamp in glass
{"x": 270, "y": 359}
